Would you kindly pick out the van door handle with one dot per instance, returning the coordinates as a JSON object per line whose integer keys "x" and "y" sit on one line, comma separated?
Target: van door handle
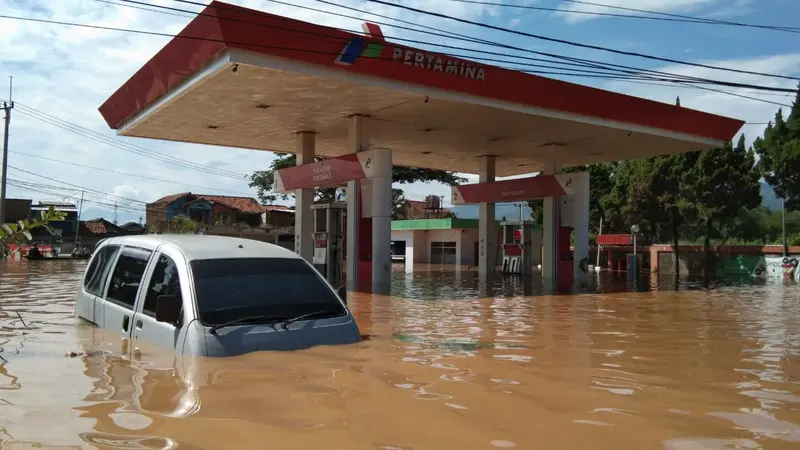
{"x": 125, "y": 323}
{"x": 138, "y": 324}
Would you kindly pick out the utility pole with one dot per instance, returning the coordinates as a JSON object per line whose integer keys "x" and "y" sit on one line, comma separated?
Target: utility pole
{"x": 783, "y": 227}
{"x": 115, "y": 213}
{"x": 80, "y": 211}
{"x": 7, "y": 107}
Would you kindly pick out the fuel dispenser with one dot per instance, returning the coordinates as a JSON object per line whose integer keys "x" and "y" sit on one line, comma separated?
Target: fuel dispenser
{"x": 329, "y": 245}
{"x": 566, "y": 264}
{"x": 520, "y": 245}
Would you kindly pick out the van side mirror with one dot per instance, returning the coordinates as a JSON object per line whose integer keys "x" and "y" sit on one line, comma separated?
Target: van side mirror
{"x": 168, "y": 309}
{"x": 342, "y": 291}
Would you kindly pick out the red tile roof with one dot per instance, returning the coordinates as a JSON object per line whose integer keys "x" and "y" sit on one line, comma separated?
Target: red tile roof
{"x": 278, "y": 208}
{"x": 170, "y": 198}
{"x": 99, "y": 226}
{"x": 243, "y": 204}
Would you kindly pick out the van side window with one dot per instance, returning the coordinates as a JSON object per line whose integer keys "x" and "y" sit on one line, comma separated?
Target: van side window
{"x": 97, "y": 274}
{"x": 127, "y": 276}
{"x": 165, "y": 281}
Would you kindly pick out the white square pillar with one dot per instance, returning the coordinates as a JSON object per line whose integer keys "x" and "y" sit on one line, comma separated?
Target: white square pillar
{"x": 381, "y": 182}
{"x": 304, "y": 198}
{"x": 409, "y": 261}
{"x": 358, "y": 141}
{"x": 580, "y": 183}
{"x": 550, "y": 224}
{"x": 487, "y": 227}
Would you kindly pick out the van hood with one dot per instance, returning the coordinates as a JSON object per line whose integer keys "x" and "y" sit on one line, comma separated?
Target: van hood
{"x": 241, "y": 339}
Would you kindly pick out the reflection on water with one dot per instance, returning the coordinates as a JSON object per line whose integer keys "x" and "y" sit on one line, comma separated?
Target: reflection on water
{"x": 670, "y": 369}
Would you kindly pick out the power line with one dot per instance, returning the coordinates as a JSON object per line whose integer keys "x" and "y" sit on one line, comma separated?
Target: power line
{"x": 635, "y": 73}
{"x": 680, "y": 16}
{"x": 45, "y": 190}
{"x": 141, "y": 8}
{"x": 472, "y": 39}
{"x": 738, "y": 85}
{"x": 144, "y": 177}
{"x": 77, "y": 129}
{"x": 98, "y": 137}
{"x": 77, "y": 186}
{"x": 578, "y": 44}
{"x": 683, "y": 19}
{"x": 456, "y": 36}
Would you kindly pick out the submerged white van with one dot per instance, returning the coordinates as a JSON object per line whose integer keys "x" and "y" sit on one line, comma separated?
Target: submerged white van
{"x": 211, "y": 295}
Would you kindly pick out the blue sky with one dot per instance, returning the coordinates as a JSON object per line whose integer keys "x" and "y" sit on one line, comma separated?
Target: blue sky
{"x": 68, "y": 72}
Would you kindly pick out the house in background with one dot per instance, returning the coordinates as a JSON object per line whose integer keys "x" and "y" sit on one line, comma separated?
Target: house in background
{"x": 133, "y": 228}
{"x": 416, "y": 210}
{"x": 66, "y": 227}
{"x": 208, "y": 210}
{"x": 277, "y": 216}
{"x": 91, "y": 231}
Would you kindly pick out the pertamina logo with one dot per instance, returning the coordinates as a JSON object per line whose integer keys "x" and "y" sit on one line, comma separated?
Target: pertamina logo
{"x": 357, "y": 47}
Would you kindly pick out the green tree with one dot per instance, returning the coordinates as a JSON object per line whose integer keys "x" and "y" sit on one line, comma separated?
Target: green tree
{"x": 263, "y": 180}
{"x": 181, "y": 224}
{"x": 779, "y": 155}
{"x": 399, "y": 203}
{"x": 721, "y": 186}
{"x": 633, "y": 198}
{"x": 600, "y": 181}
{"x": 20, "y": 232}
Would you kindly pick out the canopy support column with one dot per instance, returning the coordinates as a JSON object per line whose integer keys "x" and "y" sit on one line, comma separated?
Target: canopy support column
{"x": 381, "y": 183}
{"x": 358, "y": 276}
{"x": 487, "y": 228}
{"x": 550, "y": 226}
{"x": 304, "y": 220}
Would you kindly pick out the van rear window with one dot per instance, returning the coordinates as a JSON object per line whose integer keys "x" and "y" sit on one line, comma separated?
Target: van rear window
{"x": 230, "y": 289}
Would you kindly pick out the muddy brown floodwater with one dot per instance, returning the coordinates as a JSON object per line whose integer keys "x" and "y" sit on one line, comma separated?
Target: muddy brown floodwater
{"x": 677, "y": 370}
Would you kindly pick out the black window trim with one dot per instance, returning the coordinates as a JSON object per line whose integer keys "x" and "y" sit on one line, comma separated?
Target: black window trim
{"x": 112, "y": 262}
{"x": 146, "y": 272}
{"x": 155, "y": 257}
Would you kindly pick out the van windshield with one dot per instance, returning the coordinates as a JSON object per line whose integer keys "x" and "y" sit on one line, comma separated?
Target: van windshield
{"x": 235, "y": 288}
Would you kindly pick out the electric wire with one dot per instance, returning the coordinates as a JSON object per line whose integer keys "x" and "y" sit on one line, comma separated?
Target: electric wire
{"x": 682, "y": 19}
{"x": 681, "y": 16}
{"x": 98, "y": 137}
{"x": 75, "y": 186}
{"x": 44, "y": 190}
{"x": 116, "y": 172}
{"x": 638, "y": 72}
{"x": 579, "y": 44}
{"x": 153, "y": 33}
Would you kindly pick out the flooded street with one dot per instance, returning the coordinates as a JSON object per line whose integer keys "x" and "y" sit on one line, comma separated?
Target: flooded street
{"x": 677, "y": 370}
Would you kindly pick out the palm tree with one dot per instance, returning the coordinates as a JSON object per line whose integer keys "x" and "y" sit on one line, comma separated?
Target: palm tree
{"x": 399, "y": 204}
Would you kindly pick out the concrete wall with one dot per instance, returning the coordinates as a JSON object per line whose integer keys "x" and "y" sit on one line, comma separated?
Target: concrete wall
{"x": 418, "y": 245}
{"x": 467, "y": 245}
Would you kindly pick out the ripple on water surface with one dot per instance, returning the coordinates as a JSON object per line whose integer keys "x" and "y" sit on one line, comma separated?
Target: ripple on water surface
{"x": 685, "y": 369}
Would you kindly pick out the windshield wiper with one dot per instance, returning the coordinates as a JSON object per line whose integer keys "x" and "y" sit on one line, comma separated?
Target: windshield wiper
{"x": 250, "y": 319}
{"x": 320, "y": 313}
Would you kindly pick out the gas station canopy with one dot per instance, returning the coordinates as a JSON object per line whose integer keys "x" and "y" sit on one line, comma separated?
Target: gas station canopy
{"x": 243, "y": 78}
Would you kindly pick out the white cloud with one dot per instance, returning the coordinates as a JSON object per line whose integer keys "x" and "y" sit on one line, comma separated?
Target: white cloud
{"x": 68, "y": 72}
{"x": 671, "y": 6}
{"x": 723, "y": 104}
